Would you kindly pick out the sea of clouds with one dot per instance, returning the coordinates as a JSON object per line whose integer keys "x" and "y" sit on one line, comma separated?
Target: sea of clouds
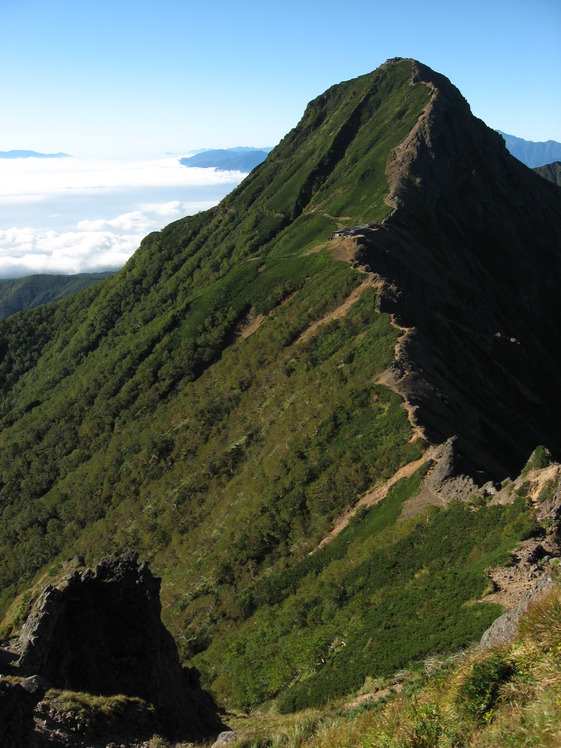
{"x": 75, "y": 215}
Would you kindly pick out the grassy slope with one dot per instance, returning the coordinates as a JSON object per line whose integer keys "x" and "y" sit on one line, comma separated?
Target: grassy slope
{"x": 507, "y": 696}
{"x": 383, "y": 594}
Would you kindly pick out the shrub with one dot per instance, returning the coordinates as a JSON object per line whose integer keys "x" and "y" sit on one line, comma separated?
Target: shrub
{"x": 540, "y": 458}
{"x": 480, "y": 692}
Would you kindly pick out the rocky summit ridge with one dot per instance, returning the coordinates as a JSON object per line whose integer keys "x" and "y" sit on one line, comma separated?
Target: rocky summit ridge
{"x": 468, "y": 263}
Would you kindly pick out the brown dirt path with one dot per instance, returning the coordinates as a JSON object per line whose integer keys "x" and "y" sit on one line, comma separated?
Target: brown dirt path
{"x": 341, "y": 310}
{"x": 375, "y": 495}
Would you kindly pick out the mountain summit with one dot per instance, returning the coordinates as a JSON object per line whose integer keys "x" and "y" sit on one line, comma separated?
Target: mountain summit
{"x": 473, "y": 252}
{"x": 369, "y": 320}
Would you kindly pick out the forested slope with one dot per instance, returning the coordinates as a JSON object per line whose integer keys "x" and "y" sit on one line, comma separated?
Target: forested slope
{"x": 35, "y": 290}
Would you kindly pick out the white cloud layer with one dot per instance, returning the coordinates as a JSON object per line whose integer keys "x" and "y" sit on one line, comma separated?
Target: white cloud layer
{"x": 35, "y": 178}
{"x": 65, "y": 216}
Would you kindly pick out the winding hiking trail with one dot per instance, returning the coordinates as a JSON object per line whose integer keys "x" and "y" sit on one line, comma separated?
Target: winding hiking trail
{"x": 346, "y": 249}
{"x": 341, "y": 310}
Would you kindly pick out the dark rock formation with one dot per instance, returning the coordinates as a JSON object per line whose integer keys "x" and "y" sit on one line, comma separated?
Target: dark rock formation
{"x": 472, "y": 254}
{"x": 100, "y": 632}
{"x": 16, "y": 714}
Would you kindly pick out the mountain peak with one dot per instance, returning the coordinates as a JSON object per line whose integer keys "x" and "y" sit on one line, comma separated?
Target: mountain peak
{"x": 471, "y": 226}
{"x": 224, "y": 402}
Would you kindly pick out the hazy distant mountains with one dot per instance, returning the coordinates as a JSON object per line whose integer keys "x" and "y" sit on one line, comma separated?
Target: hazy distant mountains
{"x": 530, "y": 153}
{"x": 32, "y": 154}
{"x": 228, "y": 159}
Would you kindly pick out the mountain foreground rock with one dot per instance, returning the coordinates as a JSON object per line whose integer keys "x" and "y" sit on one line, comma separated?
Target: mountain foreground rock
{"x": 99, "y": 632}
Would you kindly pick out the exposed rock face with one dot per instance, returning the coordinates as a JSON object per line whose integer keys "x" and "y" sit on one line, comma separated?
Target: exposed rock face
{"x": 446, "y": 478}
{"x": 101, "y": 632}
{"x": 504, "y": 629}
{"x": 472, "y": 254}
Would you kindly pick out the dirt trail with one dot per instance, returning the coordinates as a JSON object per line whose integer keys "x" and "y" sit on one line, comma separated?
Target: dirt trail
{"x": 376, "y": 495}
{"x": 389, "y": 379}
{"x": 250, "y": 325}
{"x": 346, "y": 249}
{"x": 341, "y": 310}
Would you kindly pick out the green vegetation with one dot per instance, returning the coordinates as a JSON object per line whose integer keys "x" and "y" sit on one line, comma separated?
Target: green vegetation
{"x": 540, "y": 458}
{"x": 479, "y": 693}
{"x": 510, "y": 696}
{"x": 34, "y": 290}
{"x": 378, "y": 597}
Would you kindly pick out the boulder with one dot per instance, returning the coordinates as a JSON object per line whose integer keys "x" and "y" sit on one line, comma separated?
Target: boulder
{"x": 225, "y": 738}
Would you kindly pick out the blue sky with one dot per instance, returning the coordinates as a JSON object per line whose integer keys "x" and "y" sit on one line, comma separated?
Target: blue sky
{"x": 124, "y": 78}
{"x": 128, "y": 86}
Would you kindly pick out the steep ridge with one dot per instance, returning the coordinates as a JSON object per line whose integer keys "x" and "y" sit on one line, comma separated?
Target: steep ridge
{"x": 473, "y": 255}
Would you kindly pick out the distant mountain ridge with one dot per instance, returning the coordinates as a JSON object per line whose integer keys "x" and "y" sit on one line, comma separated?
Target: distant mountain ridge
{"x": 19, "y": 294}
{"x": 32, "y": 154}
{"x": 551, "y": 172}
{"x": 532, "y": 153}
{"x": 228, "y": 159}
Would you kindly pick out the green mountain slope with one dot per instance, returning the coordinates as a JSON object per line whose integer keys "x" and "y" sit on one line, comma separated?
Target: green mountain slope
{"x": 192, "y": 409}
{"x": 112, "y": 359}
{"x": 34, "y": 290}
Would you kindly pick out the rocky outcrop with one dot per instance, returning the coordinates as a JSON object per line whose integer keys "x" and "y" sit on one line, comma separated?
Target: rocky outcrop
{"x": 505, "y": 628}
{"x": 446, "y": 477}
{"x": 225, "y": 738}
{"x": 100, "y": 632}
{"x": 443, "y": 483}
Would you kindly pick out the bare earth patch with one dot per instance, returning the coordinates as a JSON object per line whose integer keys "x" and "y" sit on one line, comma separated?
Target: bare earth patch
{"x": 376, "y": 495}
{"x": 341, "y": 310}
{"x": 250, "y": 325}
